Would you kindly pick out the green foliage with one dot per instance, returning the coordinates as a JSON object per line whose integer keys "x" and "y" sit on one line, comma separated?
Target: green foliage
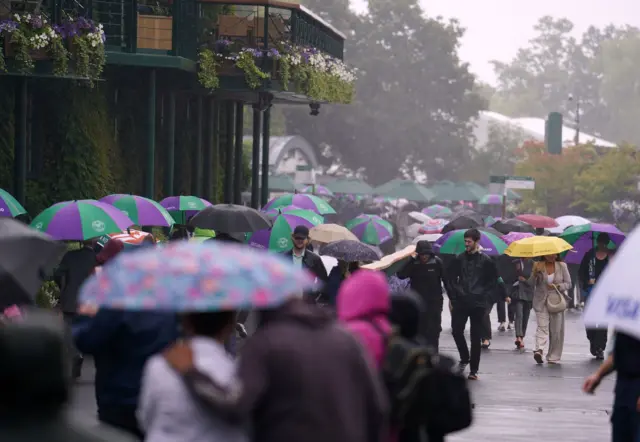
{"x": 48, "y": 295}
{"x": 22, "y": 55}
{"x": 284, "y": 68}
{"x": 253, "y": 75}
{"x": 89, "y": 60}
{"x": 321, "y": 86}
{"x": 60, "y": 57}
{"x": 3, "y": 63}
{"x": 208, "y": 69}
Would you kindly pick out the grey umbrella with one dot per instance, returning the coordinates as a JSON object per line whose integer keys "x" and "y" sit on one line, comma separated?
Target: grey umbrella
{"x": 351, "y": 251}
{"x": 26, "y": 255}
{"x": 231, "y": 218}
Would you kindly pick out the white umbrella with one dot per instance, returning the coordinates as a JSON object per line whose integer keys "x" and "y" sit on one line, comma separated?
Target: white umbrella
{"x": 431, "y": 237}
{"x": 412, "y": 230}
{"x": 567, "y": 221}
{"x": 615, "y": 300}
{"x": 420, "y": 217}
{"x": 329, "y": 262}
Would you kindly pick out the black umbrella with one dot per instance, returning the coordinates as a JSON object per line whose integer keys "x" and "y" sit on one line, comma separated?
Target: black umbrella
{"x": 490, "y": 230}
{"x": 512, "y": 225}
{"x": 231, "y": 218}
{"x": 26, "y": 255}
{"x": 351, "y": 251}
{"x": 466, "y": 220}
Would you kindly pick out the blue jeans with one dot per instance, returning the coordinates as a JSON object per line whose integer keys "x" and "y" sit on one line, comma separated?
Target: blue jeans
{"x": 625, "y": 420}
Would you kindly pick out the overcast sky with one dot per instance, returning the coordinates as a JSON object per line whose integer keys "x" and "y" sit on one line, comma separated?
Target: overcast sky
{"x": 497, "y": 28}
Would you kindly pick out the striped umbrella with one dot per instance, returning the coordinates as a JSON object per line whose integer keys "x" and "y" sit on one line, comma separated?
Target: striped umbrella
{"x": 278, "y": 237}
{"x": 452, "y": 243}
{"x": 9, "y": 206}
{"x": 371, "y": 229}
{"x": 142, "y": 211}
{"x": 302, "y": 200}
{"x": 433, "y": 226}
{"x": 437, "y": 211}
{"x": 183, "y": 207}
{"x": 317, "y": 190}
{"x": 273, "y": 213}
{"x": 491, "y": 199}
{"x": 81, "y": 220}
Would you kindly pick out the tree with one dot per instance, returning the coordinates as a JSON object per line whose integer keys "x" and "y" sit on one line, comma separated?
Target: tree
{"x": 554, "y": 176}
{"x": 614, "y": 176}
{"x": 414, "y": 99}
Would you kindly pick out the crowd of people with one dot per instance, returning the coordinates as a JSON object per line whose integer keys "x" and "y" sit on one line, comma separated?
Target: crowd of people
{"x": 353, "y": 361}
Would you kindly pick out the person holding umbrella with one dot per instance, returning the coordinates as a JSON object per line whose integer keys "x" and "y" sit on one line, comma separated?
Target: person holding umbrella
{"x": 426, "y": 277}
{"x": 591, "y": 267}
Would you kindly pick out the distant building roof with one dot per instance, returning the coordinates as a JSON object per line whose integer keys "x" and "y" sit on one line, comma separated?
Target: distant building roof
{"x": 530, "y": 128}
{"x": 281, "y": 149}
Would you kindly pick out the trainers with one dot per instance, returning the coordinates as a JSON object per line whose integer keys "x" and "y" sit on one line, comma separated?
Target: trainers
{"x": 510, "y": 326}
{"x": 599, "y": 355}
{"x": 501, "y": 327}
{"x": 473, "y": 376}
{"x": 462, "y": 366}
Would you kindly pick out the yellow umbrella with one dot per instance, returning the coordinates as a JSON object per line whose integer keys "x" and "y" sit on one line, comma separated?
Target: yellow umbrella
{"x": 537, "y": 246}
{"x": 328, "y": 233}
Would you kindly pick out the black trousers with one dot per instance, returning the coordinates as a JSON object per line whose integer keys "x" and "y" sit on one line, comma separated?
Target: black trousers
{"x": 597, "y": 339}
{"x": 459, "y": 316}
{"x": 502, "y": 314}
{"x": 431, "y": 324}
{"x": 122, "y": 417}
{"x": 486, "y": 325}
{"x": 625, "y": 420}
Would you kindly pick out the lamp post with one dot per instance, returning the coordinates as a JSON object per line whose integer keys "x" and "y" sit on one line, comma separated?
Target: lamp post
{"x": 576, "y": 138}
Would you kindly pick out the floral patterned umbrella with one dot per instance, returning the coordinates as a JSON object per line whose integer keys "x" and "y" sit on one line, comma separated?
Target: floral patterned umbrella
{"x": 190, "y": 277}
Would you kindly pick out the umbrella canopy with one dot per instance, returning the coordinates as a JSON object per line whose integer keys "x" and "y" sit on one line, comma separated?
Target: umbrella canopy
{"x": 328, "y": 233}
{"x": 491, "y": 199}
{"x": 26, "y": 256}
{"x": 9, "y": 206}
{"x": 386, "y": 186}
{"x": 81, "y": 220}
{"x": 303, "y": 201}
{"x": 615, "y": 299}
{"x": 191, "y": 277}
{"x": 434, "y": 226}
{"x": 583, "y": 238}
{"x": 142, "y": 211}
{"x": 351, "y": 186}
{"x": 273, "y": 213}
{"x": 515, "y": 236}
{"x": 183, "y": 207}
{"x": 282, "y": 183}
{"x": 512, "y": 225}
{"x": 201, "y": 235}
{"x": 278, "y": 237}
{"x": 452, "y": 243}
{"x": 231, "y": 218}
{"x": 538, "y": 221}
{"x": 567, "y": 221}
{"x": 535, "y": 246}
{"x": 130, "y": 237}
{"x": 408, "y": 190}
{"x": 371, "y": 229}
{"x": 437, "y": 211}
{"x": 350, "y": 251}
{"x": 431, "y": 237}
{"x": 420, "y": 217}
{"x": 317, "y": 190}
{"x": 464, "y": 220}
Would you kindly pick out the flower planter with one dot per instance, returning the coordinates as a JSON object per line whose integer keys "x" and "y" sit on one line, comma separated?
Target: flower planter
{"x": 155, "y": 32}
{"x": 9, "y": 51}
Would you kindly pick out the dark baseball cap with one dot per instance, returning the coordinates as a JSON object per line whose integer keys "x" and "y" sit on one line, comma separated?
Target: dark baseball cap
{"x": 301, "y": 232}
{"x": 424, "y": 248}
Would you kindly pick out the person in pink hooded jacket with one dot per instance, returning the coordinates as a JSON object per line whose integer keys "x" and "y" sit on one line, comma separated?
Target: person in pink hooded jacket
{"x": 363, "y": 304}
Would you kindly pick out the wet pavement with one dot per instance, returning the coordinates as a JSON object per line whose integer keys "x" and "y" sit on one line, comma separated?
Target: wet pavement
{"x": 515, "y": 399}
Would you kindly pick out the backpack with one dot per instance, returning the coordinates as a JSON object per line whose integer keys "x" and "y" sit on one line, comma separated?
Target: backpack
{"x": 424, "y": 388}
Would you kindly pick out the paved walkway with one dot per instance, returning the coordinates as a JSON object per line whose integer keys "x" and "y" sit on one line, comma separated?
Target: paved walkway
{"x": 515, "y": 399}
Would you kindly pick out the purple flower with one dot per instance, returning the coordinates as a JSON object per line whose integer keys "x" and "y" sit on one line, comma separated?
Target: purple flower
{"x": 36, "y": 22}
{"x": 274, "y": 53}
{"x": 8, "y": 26}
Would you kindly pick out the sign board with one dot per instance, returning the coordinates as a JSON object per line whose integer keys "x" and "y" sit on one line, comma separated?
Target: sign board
{"x": 305, "y": 174}
{"x": 499, "y": 183}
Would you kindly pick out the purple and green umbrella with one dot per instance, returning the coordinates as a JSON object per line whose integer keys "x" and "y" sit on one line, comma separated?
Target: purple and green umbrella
{"x": 278, "y": 237}
{"x": 371, "y": 229}
{"x": 273, "y": 213}
{"x": 452, "y": 243}
{"x": 9, "y": 206}
{"x": 491, "y": 199}
{"x": 584, "y": 237}
{"x": 183, "y": 207}
{"x": 437, "y": 211}
{"x": 515, "y": 236}
{"x": 142, "y": 211}
{"x": 301, "y": 200}
{"x": 317, "y": 190}
{"x": 81, "y": 220}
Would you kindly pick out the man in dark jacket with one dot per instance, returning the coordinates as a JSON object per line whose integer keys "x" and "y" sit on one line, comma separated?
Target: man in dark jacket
{"x": 426, "y": 276}
{"x": 75, "y": 267}
{"x": 303, "y": 377}
{"x": 305, "y": 258}
{"x": 473, "y": 277}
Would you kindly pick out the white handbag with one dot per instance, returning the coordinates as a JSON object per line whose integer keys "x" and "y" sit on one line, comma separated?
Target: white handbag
{"x": 556, "y": 301}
